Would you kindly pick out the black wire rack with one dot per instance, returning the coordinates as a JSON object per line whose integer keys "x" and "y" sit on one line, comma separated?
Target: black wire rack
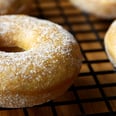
{"x": 94, "y": 91}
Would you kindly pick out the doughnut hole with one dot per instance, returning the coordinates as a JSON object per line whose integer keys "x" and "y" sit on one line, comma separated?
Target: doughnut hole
{"x": 17, "y": 41}
{"x": 11, "y": 49}
{"x": 9, "y": 42}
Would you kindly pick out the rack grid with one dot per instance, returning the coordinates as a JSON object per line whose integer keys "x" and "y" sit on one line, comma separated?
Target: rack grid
{"x": 94, "y": 91}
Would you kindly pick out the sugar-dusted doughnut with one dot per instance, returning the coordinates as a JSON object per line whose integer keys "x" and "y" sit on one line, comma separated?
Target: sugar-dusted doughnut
{"x": 101, "y": 8}
{"x": 110, "y": 43}
{"x": 16, "y": 6}
{"x": 44, "y": 70}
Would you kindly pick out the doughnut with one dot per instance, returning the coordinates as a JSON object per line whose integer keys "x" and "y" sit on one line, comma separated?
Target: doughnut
{"x": 44, "y": 69}
{"x": 110, "y": 43}
{"x": 101, "y": 8}
{"x": 16, "y": 6}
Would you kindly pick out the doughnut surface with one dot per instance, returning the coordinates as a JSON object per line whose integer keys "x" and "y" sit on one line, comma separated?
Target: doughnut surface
{"x": 16, "y": 6}
{"x": 44, "y": 70}
{"x": 110, "y": 43}
{"x": 102, "y": 8}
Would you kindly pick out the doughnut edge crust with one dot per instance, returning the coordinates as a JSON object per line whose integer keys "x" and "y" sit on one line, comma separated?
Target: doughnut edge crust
{"x": 102, "y": 8}
{"x": 46, "y": 68}
{"x": 110, "y": 43}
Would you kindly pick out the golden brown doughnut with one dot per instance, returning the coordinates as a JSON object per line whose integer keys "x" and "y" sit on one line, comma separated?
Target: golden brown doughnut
{"x": 102, "y": 8}
{"x": 16, "y": 6}
{"x": 110, "y": 43}
{"x": 44, "y": 70}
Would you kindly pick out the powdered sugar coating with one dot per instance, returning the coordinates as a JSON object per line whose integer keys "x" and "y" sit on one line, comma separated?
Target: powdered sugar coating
{"x": 110, "y": 43}
{"x": 50, "y": 53}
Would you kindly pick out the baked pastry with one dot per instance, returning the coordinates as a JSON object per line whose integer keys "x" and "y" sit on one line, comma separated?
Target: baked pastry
{"x": 110, "y": 43}
{"x": 101, "y": 8}
{"x": 16, "y": 6}
{"x": 46, "y": 67}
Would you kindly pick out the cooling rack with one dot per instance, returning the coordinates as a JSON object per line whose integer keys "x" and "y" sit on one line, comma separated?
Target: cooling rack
{"x": 94, "y": 91}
